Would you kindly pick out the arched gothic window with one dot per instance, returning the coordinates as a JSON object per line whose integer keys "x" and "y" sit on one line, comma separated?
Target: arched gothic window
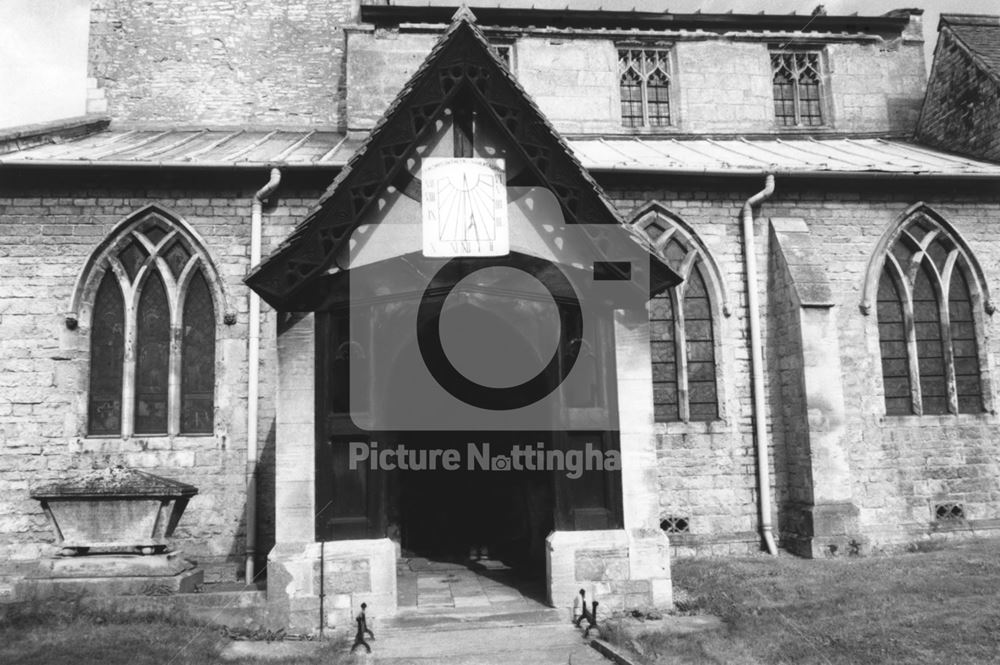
{"x": 150, "y": 290}
{"x": 928, "y": 289}
{"x": 683, "y": 321}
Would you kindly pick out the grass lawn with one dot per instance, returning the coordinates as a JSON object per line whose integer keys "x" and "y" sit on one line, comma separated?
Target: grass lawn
{"x": 940, "y": 606}
{"x": 58, "y": 635}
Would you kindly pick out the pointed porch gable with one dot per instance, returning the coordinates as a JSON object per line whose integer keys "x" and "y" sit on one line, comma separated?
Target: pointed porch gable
{"x": 460, "y": 77}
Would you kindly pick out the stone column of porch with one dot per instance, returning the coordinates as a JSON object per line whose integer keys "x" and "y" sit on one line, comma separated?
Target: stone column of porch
{"x": 629, "y": 567}
{"x": 300, "y": 595}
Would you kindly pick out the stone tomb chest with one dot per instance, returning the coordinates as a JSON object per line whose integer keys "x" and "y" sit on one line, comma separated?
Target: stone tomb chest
{"x": 114, "y": 510}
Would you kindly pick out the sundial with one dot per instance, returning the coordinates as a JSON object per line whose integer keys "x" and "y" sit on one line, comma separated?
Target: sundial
{"x": 464, "y": 203}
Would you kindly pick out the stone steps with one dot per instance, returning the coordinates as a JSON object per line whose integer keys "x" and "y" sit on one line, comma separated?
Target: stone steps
{"x": 489, "y": 644}
{"x": 502, "y": 634}
{"x": 449, "y": 619}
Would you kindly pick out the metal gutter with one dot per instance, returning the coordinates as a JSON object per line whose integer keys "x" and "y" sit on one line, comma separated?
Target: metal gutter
{"x": 576, "y": 18}
{"x": 793, "y": 173}
{"x": 122, "y": 163}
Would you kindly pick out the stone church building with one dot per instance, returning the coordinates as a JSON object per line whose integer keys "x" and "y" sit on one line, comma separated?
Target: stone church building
{"x": 190, "y": 286}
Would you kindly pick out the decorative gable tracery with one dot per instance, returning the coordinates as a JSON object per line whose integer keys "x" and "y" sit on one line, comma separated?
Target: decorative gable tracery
{"x": 461, "y": 74}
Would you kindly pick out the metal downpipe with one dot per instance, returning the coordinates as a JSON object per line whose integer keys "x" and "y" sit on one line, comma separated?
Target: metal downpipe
{"x": 757, "y": 365}
{"x": 253, "y": 380}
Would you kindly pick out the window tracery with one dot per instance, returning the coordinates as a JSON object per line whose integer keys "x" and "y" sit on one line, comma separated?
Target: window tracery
{"x": 797, "y": 85}
{"x": 153, "y": 317}
{"x": 683, "y": 322}
{"x": 644, "y": 83}
{"x": 928, "y": 287}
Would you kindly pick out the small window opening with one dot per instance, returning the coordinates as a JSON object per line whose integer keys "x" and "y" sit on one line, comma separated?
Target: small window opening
{"x": 944, "y": 512}
{"x": 676, "y": 525}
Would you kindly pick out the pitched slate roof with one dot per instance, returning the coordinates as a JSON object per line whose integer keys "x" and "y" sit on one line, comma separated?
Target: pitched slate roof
{"x": 460, "y": 68}
{"x": 980, "y": 34}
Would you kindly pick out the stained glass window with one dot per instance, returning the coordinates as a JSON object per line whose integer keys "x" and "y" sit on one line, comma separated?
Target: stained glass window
{"x": 895, "y": 352}
{"x": 631, "y": 91}
{"x": 132, "y": 258}
{"x": 197, "y": 359}
{"x": 107, "y": 355}
{"x": 930, "y": 352}
{"x": 682, "y": 329}
{"x": 644, "y": 83}
{"x": 152, "y": 363}
{"x": 797, "y": 91}
{"x": 703, "y": 403}
{"x": 664, "y": 351}
{"x": 140, "y": 290}
{"x": 922, "y": 268}
{"x": 177, "y": 258}
{"x": 965, "y": 350}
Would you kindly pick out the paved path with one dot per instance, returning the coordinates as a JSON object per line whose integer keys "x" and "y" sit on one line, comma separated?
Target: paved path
{"x": 459, "y": 614}
{"x": 463, "y": 637}
{"x": 453, "y": 615}
{"x": 440, "y": 584}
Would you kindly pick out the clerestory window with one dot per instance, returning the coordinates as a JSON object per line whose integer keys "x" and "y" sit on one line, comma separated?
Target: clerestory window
{"x": 798, "y": 88}
{"x": 152, "y": 333}
{"x": 644, "y": 83}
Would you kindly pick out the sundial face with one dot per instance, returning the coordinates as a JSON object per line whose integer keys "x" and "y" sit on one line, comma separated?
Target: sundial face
{"x": 464, "y": 202}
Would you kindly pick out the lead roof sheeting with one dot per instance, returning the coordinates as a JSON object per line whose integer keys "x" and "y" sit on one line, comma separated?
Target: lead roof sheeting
{"x": 269, "y": 147}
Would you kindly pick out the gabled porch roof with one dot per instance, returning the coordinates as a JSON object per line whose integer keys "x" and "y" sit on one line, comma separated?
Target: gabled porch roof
{"x": 459, "y": 72}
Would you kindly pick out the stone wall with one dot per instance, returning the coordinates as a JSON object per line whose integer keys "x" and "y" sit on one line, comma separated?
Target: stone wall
{"x": 379, "y": 63}
{"x": 900, "y": 467}
{"x": 876, "y": 87}
{"x": 960, "y": 112}
{"x": 198, "y": 62}
{"x": 718, "y": 85}
{"x": 51, "y": 222}
{"x": 707, "y": 469}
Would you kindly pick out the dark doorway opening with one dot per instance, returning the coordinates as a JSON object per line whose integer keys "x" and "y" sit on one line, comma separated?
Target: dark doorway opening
{"x": 470, "y": 513}
{"x": 471, "y": 537}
